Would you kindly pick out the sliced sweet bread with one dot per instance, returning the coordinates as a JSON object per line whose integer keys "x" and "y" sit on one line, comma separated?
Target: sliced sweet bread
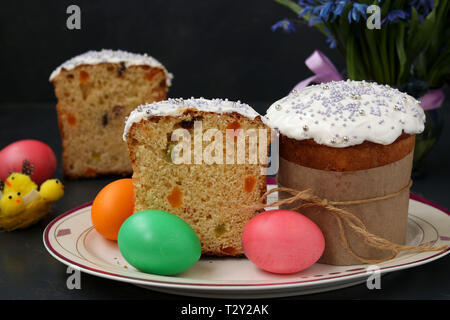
{"x": 214, "y": 197}
{"x": 95, "y": 92}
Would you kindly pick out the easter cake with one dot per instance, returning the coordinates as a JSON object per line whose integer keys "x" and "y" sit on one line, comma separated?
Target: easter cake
{"x": 96, "y": 91}
{"x": 353, "y": 142}
{"x": 212, "y": 189}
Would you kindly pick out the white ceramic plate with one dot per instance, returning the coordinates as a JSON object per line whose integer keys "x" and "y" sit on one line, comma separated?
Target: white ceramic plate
{"x": 71, "y": 239}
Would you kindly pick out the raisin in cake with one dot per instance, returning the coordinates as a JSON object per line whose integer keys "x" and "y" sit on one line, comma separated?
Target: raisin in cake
{"x": 96, "y": 91}
{"x": 350, "y": 141}
{"x": 214, "y": 197}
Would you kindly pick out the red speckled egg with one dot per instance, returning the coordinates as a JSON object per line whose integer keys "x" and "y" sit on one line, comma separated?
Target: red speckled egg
{"x": 282, "y": 241}
{"x": 36, "y": 152}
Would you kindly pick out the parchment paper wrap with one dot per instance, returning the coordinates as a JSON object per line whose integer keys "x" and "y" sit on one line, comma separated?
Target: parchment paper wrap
{"x": 385, "y": 218}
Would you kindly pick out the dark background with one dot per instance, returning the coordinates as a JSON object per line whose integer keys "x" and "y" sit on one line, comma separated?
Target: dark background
{"x": 215, "y": 48}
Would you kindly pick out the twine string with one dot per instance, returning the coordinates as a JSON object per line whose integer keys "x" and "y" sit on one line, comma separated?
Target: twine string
{"x": 344, "y": 217}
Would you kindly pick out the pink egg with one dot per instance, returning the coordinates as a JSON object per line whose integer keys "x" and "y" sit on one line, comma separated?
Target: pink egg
{"x": 282, "y": 241}
{"x": 36, "y": 152}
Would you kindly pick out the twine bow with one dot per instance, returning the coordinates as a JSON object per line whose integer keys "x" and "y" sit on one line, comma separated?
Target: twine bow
{"x": 342, "y": 216}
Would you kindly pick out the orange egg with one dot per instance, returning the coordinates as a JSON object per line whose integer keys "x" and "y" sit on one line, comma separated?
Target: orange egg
{"x": 112, "y": 206}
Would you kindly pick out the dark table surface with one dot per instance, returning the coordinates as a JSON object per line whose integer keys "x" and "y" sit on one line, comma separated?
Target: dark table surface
{"x": 27, "y": 271}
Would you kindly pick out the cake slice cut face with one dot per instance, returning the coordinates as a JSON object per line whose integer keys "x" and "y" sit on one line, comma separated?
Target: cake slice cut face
{"x": 185, "y": 160}
{"x": 95, "y": 92}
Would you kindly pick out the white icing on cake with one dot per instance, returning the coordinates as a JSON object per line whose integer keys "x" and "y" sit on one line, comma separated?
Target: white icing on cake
{"x": 175, "y": 107}
{"x": 112, "y": 56}
{"x": 346, "y": 113}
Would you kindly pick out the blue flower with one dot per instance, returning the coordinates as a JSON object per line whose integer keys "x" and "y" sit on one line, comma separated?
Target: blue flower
{"x": 394, "y": 16}
{"x": 314, "y": 20}
{"x": 356, "y": 12}
{"x": 331, "y": 40}
{"x": 284, "y": 24}
{"x": 324, "y": 10}
{"x": 308, "y": 7}
{"x": 423, "y": 7}
{"x": 339, "y": 9}
{"x": 426, "y": 5}
{"x": 305, "y": 11}
{"x": 306, "y": 3}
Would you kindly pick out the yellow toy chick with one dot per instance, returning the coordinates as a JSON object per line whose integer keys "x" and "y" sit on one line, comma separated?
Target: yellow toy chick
{"x": 51, "y": 190}
{"x": 11, "y": 204}
{"x": 19, "y": 182}
{"x": 21, "y": 205}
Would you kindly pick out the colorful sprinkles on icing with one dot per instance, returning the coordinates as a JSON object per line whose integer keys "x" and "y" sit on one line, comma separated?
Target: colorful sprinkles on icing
{"x": 112, "y": 56}
{"x": 174, "y": 107}
{"x": 345, "y": 113}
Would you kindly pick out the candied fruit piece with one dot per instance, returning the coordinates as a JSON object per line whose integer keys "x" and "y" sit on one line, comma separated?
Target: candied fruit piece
{"x": 229, "y": 250}
{"x": 105, "y": 120}
{"x": 175, "y": 198}
{"x": 234, "y": 125}
{"x": 249, "y": 184}
{"x": 117, "y": 110}
{"x": 168, "y": 155}
{"x": 220, "y": 229}
{"x": 149, "y": 75}
{"x": 90, "y": 172}
{"x": 71, "y": 119}
{"x": 96, "y": 155}
{"x": 84, "y": 76}
{"x": 121, "y": 69}
{"x": 189, "y": 123}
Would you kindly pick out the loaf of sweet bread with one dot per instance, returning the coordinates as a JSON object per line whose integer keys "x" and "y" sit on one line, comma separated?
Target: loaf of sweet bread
{"x": 96, "y": 91}
{"x": 215, "y": 196}
{"x": 350, "y": 142}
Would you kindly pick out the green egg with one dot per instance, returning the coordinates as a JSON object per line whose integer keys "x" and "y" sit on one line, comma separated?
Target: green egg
{"x": 158, "y": 242}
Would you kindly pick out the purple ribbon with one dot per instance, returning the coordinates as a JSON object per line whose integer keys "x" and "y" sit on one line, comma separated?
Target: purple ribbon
{"x": 432, "y": 99}
{"x": 325, "y": 71}
{"x": 323, "y": 68}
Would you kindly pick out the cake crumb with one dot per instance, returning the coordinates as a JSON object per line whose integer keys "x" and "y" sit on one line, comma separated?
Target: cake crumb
{"x": 84, "y": 77}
